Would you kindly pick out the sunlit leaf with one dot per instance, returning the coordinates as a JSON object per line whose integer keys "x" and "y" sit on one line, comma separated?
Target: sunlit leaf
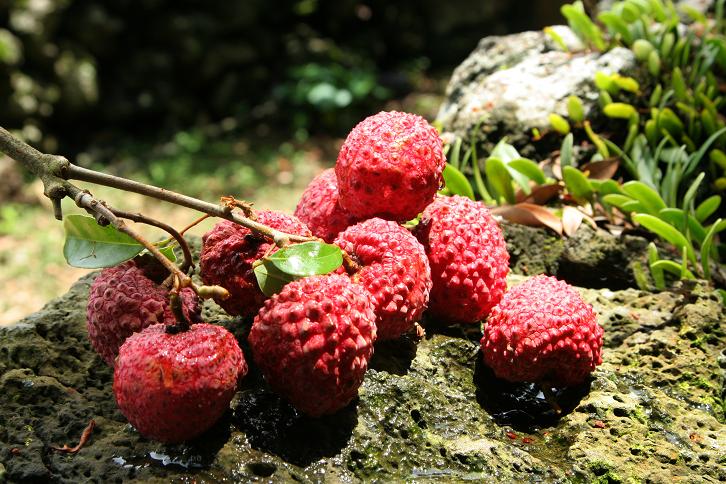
{"x": 528, "y": 168}
{"x": 648, "y": 197}
{"x": 271, "y": 279}
{"x": 90, "y": 246}
{"x": 559, "y": 123}
{"x": 499, "y": 179}
{"x": 307, "y": 259}
{"x": 707, "y": 207}
{"x": 566, "y": 151}
{"x": 656, "y": 272}
{"x": 575, "y": 110}
{"x": 672, "y": 267}
{"x": 577, "y": 184}
{"x": 531, "y": 215}
{"x": 666, "y": 232}
{"x": 456, "y": 183}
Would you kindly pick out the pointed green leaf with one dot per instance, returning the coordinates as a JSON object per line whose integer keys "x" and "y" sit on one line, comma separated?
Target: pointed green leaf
{"x": 530, "y": 169}
{"x": 271, "y": 279}
{"x": 656, "y": 272}
{"x": 566, "y": 151}
{"x": 707, "y": 207}
{"x": 677, "y": 218}
{"x": 673, "y": 267}
{"x": 456, "y": 183}
{"x": 666, "y": 232}
{"x": 90, "y": 246}
{"x": 504, "y": 151}
{"x": 717, "y": 227}
{"x": 168, "y": 252}
{"x": 499, "y": 179}
{"x": 617, "y": 200}
{"x": 577, "y": 184}
{"x": 559, "y": 123}
{"x": 307, "y": 259}
{"x": 642, "y": 49}
{"x": 648, "y": 197}
{"x": 575, "y": 110}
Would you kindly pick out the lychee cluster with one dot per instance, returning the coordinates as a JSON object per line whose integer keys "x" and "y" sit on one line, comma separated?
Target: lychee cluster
{"x": 313, "y": 340}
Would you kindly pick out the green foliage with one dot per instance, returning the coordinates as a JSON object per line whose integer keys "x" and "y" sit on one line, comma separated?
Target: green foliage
{"x": 295, "y": 262}
{"x": 455, "y": 183}
{"x": 90, "y": 246}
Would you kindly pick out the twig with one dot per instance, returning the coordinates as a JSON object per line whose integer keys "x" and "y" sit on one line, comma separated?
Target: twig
{"x": 137, "y": 217}
{"x": 84, "y": 439}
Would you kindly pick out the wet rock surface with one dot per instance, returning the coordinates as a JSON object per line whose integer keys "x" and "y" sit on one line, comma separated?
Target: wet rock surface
{"x": 428, "y": 410}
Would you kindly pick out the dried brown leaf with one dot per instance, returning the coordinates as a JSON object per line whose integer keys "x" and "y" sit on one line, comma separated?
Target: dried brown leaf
{"x": 571, "y": 220}
{"x": 601, "y": 169}
{"x": 531, "y": 215}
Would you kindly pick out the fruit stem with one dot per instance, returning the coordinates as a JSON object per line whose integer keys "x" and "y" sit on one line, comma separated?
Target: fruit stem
{"x": 140, "y": 218}
{"x": 182, "y": 323}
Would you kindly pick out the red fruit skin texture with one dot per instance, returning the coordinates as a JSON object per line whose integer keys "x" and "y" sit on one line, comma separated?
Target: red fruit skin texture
{"x": 228, "y": 252}
{"x": 173, "y": 387}
{"x": 543, "y": 332}
{"x": 313, "y": 341}
{"x": 319, "y": 208}
{"x": 390, "y": 166}
{"x": 468, "y": 257}
{"x": 396, "y": 272}
{"x": 123, "y": 301}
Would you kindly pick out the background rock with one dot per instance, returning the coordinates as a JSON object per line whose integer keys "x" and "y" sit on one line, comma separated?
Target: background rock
{"x": 509, "y": 85}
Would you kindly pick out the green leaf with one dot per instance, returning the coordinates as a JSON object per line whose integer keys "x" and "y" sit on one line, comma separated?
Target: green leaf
{"x": 679, "y": 85}
{"x": 499, "y": 179}
{"x": 707, "y": 207}
{"x": 566, "y": 151}
{"x": 577, "y": 184}
{"x": 456, "y": 182}
{"x": 673, "y": 268}
{"x": 556, "y": 38}
{"x": 648, "y": 197}
{"x": 90, "y": 246}
{"x": 559, "y": 123}
{"x": 530, "y": 169}
{"x": 271, "y": 279}
{"x": 168, "y": 252}
{"x": 621, "y": 111}
{"x": 654, "y": 271}
{"x": 642, "y": 49}
{"x": 575, "y": 110}
{"x": 608, "y": 187}
{"x": 666, "y": 232}
{"x": 307, "y": 259}
{"x": 478, "y": 182}
{"x": 626, "y": 83}
{"x": 677, "y": 218}
{"x": 504, "y": 151}
{"x": 616, "y": 200}
{"x": 654, "y": 63}
{"x": 691, "y": 192}
{"x": 597, "y": 141}
{"x": 717, "y": 227}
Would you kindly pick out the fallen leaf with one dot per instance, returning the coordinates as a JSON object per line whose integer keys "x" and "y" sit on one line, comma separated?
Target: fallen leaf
{"x": 540, "y": 195}
{"x": 531, "y": 215}
{"x": 601, "y": 169}
{"x": 571, "y": 220}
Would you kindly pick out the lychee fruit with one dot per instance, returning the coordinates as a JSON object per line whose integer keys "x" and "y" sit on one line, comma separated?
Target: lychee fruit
{"x": 228, "y": 252}
{"x": 395, "y": 271}
{"x": 319, "y": 208}
{"x": 542, "y": 332}
{"x": 468, "y": 257}
{"x": 173, "y": 387}
{"x": 123, "y": 300}
{"x": 313, "y": 341}
{"x": 390, "y": 166}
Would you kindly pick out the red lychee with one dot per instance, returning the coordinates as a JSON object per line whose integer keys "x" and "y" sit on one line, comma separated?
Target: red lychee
{"x": 228, "y": 252}
{"x": 396, "y": 273}
{"x": 122, "y": 300}
{"x": 390, "y": 166}
{"x": 173, "y": 387}
{"x": 319, "y": 208}
{"x": 542, "y": 332}
{"x": 468, "y": 257}
{"x": 313, "y": 341}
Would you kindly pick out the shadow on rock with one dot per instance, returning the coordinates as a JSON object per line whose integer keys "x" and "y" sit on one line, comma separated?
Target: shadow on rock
{"x": 274, "y": 426}
{"x": 522, "y": 405}
{"x": 394, "y": 356}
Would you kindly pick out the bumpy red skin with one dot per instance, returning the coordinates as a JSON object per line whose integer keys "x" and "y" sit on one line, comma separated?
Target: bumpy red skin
{"x": 228, "y": 252}
{"x": 396, "y": 272}
{"x": 123, "y": 301}
{"x": 543, "y": 332}
{"x": 313, "y": 341}
{"x": 468, "y": 257}
{"x": 390, "y": 166}
{"x": 173, "y": 387}
{"x": 319, "y": 208}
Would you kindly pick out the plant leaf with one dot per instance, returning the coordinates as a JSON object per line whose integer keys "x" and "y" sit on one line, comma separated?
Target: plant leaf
{"x": 530, "y": 169}
{"x": 707, "y": 207}
{"x": 648, "y": 197}
{"x": 456, "y": 183}
{"x": 718, "y": 226}
{"x": 90, "y": 246}
{"x": 571, "y": 220}
{"x": 540, "y": 194}
{"x": 559, "y": 124}
{"x": 500, "y": 181}
{"x": 672, "y": 267}
{"x": 271, "y": 279}
{"x": 531, "y": 215}
{"x": 307, "y": 259}
{"x": 677, "y": 218}
{"x": 168, "y": 252}
{"x": 654, "y": 271}
{"x": 666, "y": 232}
{"x": 566, "y": 151}
{"x": 602, "y": 169}
{"x": 577, "y": 184}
